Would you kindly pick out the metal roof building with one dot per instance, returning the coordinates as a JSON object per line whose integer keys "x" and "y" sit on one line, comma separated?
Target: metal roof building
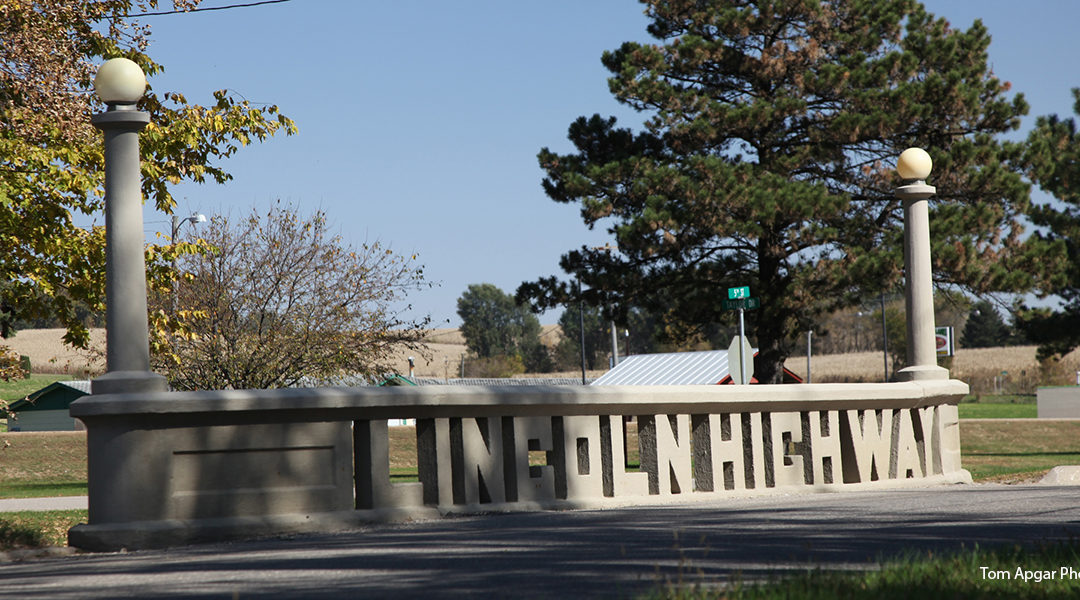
{"x": 47, "y": 408}
{"x": 676, "y": 368}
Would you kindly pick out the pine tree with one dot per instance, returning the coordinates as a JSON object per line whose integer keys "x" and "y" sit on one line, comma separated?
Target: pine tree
{"x": 767, "y": 160}
{"x": 1053, "y": 160}
{"x": 985, "y": 328}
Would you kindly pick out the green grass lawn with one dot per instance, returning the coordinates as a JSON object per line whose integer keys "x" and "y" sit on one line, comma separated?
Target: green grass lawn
{"x": 998, "y": 411}
{"x": 999, "y": 407}
{"x": 17, "y": 389}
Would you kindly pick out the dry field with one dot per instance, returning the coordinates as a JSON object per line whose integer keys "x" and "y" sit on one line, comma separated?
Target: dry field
{"x": 445, "y": 347}
{"x": 988, "y": 370}
{"x": 49, "y": 354}
{"x": 1012, "y": 370}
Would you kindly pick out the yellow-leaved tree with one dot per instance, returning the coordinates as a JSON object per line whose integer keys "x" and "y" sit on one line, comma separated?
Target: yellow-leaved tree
{"x": 51, "y": 163}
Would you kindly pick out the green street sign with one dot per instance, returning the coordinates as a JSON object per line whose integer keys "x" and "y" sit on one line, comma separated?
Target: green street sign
{"x": 738, "y": 292}
{"x": 743, "y": 303}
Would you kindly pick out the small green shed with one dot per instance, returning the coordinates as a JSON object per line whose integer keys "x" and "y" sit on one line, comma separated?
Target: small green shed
{"x": 47, "y": 408}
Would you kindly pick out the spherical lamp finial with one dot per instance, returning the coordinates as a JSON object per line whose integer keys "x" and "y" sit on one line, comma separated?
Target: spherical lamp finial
{"x": 119, "y": 81}
{"x": 914, "y": 163}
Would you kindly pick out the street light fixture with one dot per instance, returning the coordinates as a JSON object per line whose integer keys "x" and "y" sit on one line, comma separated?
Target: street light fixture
{"x": 177, "y": 222}
{"x": 120, "y": 83}
{"x": 914, "y": 167}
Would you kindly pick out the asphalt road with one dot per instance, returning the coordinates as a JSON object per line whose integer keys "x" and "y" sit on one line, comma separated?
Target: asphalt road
{"x": 603, "y": 553}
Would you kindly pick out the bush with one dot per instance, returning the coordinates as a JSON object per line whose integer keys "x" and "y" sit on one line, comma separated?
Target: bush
{"x": 494, "y": 367}
{"x": 11, "y": 365}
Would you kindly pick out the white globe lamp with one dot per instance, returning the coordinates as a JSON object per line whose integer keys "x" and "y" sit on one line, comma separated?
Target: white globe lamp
{"x": 119, "y": 81}
{"x": 914, "y": 163}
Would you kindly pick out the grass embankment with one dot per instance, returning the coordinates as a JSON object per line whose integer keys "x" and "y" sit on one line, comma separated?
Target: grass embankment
{"x": 1032, "y": 447}
{"x": 1051, "y": 571}
{"x": 37, "y": 529}
{"x": 34, "y": 464}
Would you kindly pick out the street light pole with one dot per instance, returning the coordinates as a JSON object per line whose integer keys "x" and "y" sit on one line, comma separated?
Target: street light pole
{"x": 914, "y": 166}
{"x": 581, "y": 327}
{"x": 176, "y": 223}
{"x": 614, "y": 332}
{"x": 884, "y": 339}
{"x": 120, "y": 83}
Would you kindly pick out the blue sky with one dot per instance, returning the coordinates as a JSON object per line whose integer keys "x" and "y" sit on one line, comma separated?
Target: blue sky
{"x": 420, "y": 120}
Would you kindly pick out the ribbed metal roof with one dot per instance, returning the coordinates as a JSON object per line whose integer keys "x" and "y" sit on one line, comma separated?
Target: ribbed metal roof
{"x": 675, "y": 368}
{"x": 82, "y": 385}
{"x": 515, "y": 381}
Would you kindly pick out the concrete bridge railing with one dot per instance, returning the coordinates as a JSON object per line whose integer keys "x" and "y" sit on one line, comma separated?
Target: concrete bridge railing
{"x": 170, "y": 468}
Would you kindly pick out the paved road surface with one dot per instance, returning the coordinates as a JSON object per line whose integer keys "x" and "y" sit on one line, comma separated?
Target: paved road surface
{"x": 608, "y": 553}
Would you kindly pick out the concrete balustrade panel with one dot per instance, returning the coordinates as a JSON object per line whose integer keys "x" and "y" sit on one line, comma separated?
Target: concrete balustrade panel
{"x": 219, "y": 471}
{"x": 175, "y": 467}
{"x": 236, "y": 470}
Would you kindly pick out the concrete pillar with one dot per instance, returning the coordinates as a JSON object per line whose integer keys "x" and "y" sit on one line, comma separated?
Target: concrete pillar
{"x": 919, "y": 288}
{"x": 127, "y": 334}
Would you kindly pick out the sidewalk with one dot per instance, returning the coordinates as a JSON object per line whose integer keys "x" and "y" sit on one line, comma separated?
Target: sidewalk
{"x": 56, "y": 503}
{"x": 598, "y": 553}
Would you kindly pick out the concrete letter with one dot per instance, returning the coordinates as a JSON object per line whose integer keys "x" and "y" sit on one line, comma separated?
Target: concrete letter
{"x": 533, "y": 483}
{"x": 825, "y": 446}
{"x": 482, "y": 460}
{"x": 870, "y": 433}
{"x": 581, "y": 447}
{"x": 786, "y": 445}
{"x": 908, "y": 459}
{"x": 371, "y": 447}
{"x": 618, "y": 482}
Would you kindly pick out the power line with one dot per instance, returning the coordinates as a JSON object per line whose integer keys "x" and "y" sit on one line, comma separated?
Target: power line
{"x": 208, "y": 8}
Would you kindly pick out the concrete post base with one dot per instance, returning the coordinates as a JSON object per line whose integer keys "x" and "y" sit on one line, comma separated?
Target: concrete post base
{"x": 127, "y": 382}
{"x": 923, "y": 373}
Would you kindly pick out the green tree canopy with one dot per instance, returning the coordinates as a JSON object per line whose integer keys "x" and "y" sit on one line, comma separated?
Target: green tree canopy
{"x": 51, "y": 157}
{"x": 494, "y": 325}
{"x": 767, "y": 160}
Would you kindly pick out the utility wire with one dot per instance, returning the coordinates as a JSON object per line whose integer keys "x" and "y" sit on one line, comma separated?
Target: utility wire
{"x": 208, "y": 8}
